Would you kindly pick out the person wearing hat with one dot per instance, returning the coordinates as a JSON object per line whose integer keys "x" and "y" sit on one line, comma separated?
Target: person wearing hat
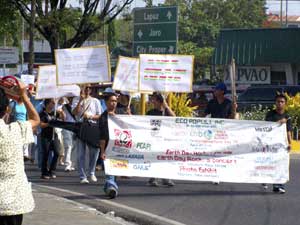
{"x": 123, "y": 104}
{"x": 16, "y": 196}
{"x": 220, "y": 106}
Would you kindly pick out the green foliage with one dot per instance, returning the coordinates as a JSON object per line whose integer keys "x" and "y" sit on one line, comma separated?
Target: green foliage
{"x": 256, "y": 113}
{"x": 200, "y": 23}
{"x": 64, "y": 26}
{"x": 202, "y": 56}
{"x": 10, "y": 23}
{"x": 293, "y": 108}
{"x": 111, "y": 36}
{"x": 180, "y": 104}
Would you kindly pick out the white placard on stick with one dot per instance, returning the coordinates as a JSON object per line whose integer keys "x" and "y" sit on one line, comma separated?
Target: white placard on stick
{"x": 82, "y": 65}
{"x": 127, "y": 76}
{"x": 27, "y": 79}
{"x": 47, "y": 88}
{"x": 166, "y": 73}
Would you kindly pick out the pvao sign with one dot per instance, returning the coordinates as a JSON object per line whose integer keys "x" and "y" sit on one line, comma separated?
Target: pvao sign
{"x": 250, "y": 75}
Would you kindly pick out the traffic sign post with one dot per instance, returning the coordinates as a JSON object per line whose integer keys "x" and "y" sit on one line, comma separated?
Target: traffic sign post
{"x": 155, "y": 30}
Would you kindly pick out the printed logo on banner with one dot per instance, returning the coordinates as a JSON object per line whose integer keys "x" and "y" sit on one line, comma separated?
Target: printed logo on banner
{"x": 143, "y": 146}
{"x": 155, "y": 126}
{"x": 263, "y": 129}
{"x": 262, "y": 147}
{"x": 123, "y": 138}
{"x": 120, "y": 150}
{"x": 208, "y": 134}
{"x": 120, "y": 164}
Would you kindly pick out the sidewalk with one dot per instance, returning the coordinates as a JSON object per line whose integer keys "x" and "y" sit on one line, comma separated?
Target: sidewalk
{"x": 53, "y": 210}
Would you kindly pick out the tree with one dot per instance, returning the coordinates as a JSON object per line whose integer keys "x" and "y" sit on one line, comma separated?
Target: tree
{"x": 200, "y": 23}
{"x": 149, "y": 3}
{"x": 10, "y": 23}
{"x": 64, "y": 26}
{"x": 111, "y": 35}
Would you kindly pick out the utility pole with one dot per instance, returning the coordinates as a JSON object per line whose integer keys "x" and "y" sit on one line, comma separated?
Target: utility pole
{"x": 31, "y": 38}
{"x": 286, "y": 13}
{"x": 22, "y": 43}
{"x": 280, "y": 13}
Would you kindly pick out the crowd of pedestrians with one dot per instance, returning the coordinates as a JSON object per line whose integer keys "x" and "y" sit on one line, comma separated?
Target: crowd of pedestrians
{"x": 54, "y": 146}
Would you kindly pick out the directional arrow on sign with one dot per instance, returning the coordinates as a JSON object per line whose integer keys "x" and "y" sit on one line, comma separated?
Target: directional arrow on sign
{"x": 171, "y": 49}
{"x": 140, "y": 34}
{"x": 169, "y": 15}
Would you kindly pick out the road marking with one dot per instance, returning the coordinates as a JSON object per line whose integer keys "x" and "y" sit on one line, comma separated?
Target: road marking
{"x": 117, "y": 205}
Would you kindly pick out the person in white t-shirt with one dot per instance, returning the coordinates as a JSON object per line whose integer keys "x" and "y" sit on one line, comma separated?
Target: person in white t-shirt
{"x": 86, "y": 108}
{"x": 68, "y": 136}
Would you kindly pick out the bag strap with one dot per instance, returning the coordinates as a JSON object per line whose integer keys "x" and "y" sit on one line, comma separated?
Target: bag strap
{"x": 86, "y": 109}
{"x": 68, "y": 108}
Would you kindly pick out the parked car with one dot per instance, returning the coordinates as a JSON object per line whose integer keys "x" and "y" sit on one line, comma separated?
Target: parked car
{"x": 263, "y": 95}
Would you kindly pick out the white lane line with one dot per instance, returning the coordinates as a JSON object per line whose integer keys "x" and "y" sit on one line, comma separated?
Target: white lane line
{"x": 117, "y": 205}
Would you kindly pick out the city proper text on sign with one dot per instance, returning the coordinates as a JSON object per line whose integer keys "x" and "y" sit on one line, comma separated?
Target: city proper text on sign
{"x": 155, "y": 30}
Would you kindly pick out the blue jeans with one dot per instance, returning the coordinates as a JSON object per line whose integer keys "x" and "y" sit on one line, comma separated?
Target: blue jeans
{"x": 110, "y": 182}
{"x": 81, "y": 155}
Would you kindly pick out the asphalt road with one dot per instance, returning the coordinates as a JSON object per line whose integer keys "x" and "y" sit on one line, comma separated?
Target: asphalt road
{"x": 194, "y": 203}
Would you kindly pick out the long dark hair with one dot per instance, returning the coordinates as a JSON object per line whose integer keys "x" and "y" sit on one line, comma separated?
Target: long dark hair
{"x": 4, "y": 102}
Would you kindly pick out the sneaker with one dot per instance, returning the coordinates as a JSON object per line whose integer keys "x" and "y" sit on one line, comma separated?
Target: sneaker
{"x": 53, "y": 175}
{"x": 169, "y": 183}
{"x": 84, "y": 181}
{"x": 93, "y": 178}
{"x": 111, "y": 192}
{"x": 45, "y": 177}
{"x": 69, "y": 169}
{"x": 279, "y": 190}
{"x": 265, "y": 186}
{"x": 152, "y": 182}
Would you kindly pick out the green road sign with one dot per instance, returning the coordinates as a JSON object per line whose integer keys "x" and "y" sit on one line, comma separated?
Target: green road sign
{"x": 154, "y": 48}
{"x": 155, "y": 15}
{"x": 155, "y": 30}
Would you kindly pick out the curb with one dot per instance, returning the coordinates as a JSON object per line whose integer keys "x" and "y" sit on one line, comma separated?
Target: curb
{"x": 129, "y": 214}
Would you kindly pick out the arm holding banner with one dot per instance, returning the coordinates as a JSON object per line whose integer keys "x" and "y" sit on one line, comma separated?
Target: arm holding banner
{"x": 168, "y": 109}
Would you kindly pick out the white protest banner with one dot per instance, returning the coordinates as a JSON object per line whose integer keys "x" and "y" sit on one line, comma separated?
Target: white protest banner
{"x": 27, "y": 79}
{"x": 47, "y": 88}
{"x": 127, "y": 76}
{"x": 200, "y": 149}
{"x": 166, "y": 73}
{"x": 82, "y": 65}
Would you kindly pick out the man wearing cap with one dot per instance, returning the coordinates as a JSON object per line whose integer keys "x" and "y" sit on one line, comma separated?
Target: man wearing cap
{"x": 123, "y": 104}
{"x": 219, "y": 106}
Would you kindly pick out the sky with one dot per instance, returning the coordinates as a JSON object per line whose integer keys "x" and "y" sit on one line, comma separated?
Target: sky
{"x": 272, "y": 5}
